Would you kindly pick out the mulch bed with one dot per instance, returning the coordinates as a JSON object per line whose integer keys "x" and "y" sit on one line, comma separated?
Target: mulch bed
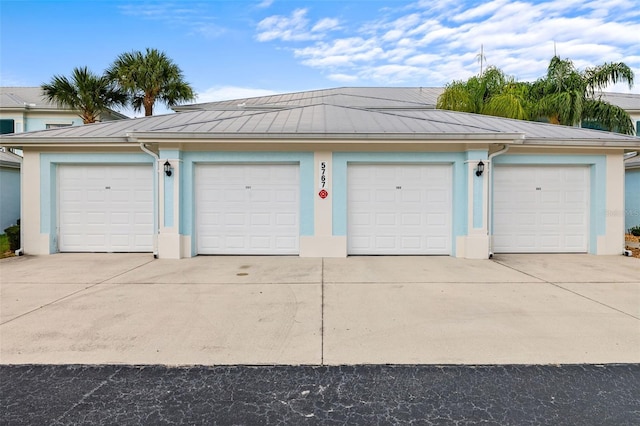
{"x": 632, "y": 239}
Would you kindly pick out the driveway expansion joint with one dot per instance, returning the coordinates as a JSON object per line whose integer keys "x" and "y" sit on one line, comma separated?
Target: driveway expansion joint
{"x": 559, "y": 285}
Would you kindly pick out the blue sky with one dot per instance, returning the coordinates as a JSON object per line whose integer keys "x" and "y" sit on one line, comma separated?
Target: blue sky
{"x": 235, "y": 48}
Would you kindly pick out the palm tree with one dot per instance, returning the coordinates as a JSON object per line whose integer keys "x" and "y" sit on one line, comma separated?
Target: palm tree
{"x": 490, "y": 93}
{"x": 564, "y": 96}
{"x": 568, "y": 96}
{"x": 86, "y": 92}
{"x": 148, "y": 78}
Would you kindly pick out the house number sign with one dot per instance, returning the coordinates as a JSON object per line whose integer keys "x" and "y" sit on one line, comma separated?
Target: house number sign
{"x": 323, "y": 180}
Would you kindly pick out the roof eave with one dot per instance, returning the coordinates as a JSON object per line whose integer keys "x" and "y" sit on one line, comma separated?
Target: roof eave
{"x": 314, "y": 137}
{"x": 607, "y": 143}
{"x": 70, "y": 141}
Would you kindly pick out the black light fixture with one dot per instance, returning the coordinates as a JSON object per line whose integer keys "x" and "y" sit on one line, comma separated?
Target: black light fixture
{"x": 167, "y": 168}
{"x": 480, "y": 168}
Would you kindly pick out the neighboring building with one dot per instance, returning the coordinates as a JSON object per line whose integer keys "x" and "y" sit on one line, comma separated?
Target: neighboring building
{"x": 632, "y": 192}
{"x": 9, "y": 189}
{"x": 331, "y": 173}
{"x": 24, "y": 109}
{"x": 630, "y": 103}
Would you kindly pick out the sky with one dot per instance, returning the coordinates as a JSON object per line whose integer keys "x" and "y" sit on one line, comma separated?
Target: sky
{"x": 231, "y": 49}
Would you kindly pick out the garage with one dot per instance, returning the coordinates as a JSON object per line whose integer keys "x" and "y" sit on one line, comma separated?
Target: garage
{"x": 247, "y": 209}
{"x": 399, "y": 209}
{"x": 541, "y": 209}
{"x": 105, "y": 208}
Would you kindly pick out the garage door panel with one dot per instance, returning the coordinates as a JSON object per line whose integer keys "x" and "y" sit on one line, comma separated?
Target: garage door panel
{"x": 437, "y": 243}
{"x": 411, "y": 219}
{"x": 260, "y": 219}
{"x": 287, "y": 243}
{"x": 437, "y": 221}
{"x": 578, "y": 219}
{"x": 249, "y": 209}
{"x": 287, "y": 196}
{"x": 541, "y": 209}
{"x": 399, "y": 209}
{"x": 410, "y": 242}
{"x": 550, "y": 219}
{"x": 388, "y": 243}
{"x": 286, "y": 219}
{"x": 383, "y": 219}
{"x": 411, "y": 196}
{"x": 235, "y": 194}
{"x": 259, "y": 242}
{"x": 385, "y": 195}
{"x": 105, "y": 208}
{"x": 438, "y": 196}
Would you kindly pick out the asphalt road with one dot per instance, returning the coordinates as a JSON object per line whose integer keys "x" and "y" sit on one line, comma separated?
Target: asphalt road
{"x": 340, "y": 395}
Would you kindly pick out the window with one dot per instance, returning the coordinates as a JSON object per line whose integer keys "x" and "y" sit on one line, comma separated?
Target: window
{"x": 57, "y": 125}
{"x": 6, "y": 126}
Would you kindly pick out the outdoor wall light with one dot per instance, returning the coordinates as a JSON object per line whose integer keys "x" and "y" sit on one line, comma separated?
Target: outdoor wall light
{"x": 167, "y": 168}
{"x": 480, "y": 169}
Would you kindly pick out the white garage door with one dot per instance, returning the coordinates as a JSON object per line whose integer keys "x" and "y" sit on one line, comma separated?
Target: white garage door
{"x": 399, "y": 209}
{"x": 105, "y": 208}
{"x": 541, "y": 209}
{"x": 247, "y": 209}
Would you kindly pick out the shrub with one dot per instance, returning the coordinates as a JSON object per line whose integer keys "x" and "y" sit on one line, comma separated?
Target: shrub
{"x": 13, "y": 235}
{"x": 635, "y": 231}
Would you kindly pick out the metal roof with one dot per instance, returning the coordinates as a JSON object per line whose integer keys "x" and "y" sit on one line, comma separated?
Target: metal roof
{"x": 24, "y": 97}
{"x": 32, "y": 98}
{"x": 407, "y": 117}
{"x": 626, "y": 101}
{"x": 633, "y": 162}
{"x": 9, "y": 159}
{"x": 363, "y": 97}
{"x": 371, "y": 98}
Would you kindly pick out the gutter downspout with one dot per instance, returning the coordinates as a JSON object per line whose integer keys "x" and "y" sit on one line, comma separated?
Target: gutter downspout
{"x": 157, "y": 194}
{"x": 504, "y": 149}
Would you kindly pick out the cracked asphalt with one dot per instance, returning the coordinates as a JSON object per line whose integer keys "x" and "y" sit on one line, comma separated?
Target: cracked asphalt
{"x": 321, "y": 395}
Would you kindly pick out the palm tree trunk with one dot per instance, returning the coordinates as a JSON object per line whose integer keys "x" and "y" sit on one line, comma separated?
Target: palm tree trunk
{"x": 554, "y": 119}
{"x": 148, "y": 105}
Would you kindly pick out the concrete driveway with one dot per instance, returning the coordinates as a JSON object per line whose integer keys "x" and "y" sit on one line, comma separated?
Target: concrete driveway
{"x": 132, "y": 309}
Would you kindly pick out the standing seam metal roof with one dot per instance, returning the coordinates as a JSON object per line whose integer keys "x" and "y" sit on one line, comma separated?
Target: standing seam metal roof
{"x": 323, "y": 118}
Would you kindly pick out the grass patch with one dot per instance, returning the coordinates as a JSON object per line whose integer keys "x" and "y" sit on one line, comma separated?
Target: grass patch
{"x": 4, "y": 247}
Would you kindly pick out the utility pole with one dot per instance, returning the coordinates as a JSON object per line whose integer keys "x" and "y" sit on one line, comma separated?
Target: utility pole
{"x": 481, "y": 58}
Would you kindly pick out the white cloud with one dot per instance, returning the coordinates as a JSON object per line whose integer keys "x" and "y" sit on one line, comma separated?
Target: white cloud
{"x": 264, "y": 4}
{"x": 343, "y": 78}
{"x": 295, "y": 27}
{"x": 223, "y": 93}
{"x": 326, "y": 24}
{"x": 195, "y": 20}
{"x": 483, "y": 10}
{"x": 440, "y": 40}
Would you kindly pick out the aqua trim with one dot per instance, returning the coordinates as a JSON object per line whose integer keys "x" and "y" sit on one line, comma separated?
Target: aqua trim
{"x": 478, "y": 187}
{"x": 49, "y": 187}
{"x": 187, "y": 183}
{"x": 168, "y": 200}
{"x": 632, "y": 198}
{"x": 598, "y": 190}
{"x": 459, "y": 178}
{"x": 478, "y": 211}
{"x": 170, "y": 154}
{"x": 169, "y": 194}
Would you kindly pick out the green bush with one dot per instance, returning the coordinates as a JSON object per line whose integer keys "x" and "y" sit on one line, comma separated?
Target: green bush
{"x": 635, "y": 231}
{"x": 13, "y": 234}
